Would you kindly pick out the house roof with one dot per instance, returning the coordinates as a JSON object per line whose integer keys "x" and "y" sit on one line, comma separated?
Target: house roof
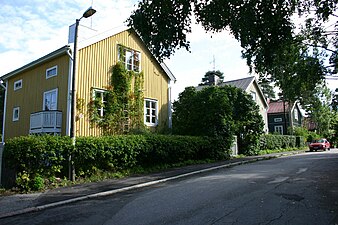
{"x": 67, "y": 48}
{"x": 278, "y": 107}
{"x": 243, "y": 83}
{"x": 63, "y": 50}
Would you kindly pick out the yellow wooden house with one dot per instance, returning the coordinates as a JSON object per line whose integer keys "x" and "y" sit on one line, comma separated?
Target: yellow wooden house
{"x": 38, "y": 95}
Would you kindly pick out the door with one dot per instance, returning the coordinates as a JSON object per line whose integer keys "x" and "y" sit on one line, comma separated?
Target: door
{"x": 50, "y": 100}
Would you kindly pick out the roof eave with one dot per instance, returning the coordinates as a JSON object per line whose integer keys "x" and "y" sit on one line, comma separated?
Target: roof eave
{"x": 260, "y": 92}
{"x": 37, "y": 62}
{"x": 168, "y": 72}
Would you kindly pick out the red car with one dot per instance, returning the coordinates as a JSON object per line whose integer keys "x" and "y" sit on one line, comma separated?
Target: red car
{"x": 319, "y": 144}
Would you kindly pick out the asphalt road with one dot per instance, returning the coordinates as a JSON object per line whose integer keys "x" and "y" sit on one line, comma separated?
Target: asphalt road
{"x": 301, "y": 189}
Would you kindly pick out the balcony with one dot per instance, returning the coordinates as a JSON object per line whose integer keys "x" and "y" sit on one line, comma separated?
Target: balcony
{"x": 46, "y": 122}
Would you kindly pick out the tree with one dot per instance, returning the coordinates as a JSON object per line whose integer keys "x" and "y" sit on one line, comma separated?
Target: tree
{"x": 214, "y": 111}
{"x": 266, "y": 86}
{"x": 272, "y": 43}
{"x": 319, "y": 110}
{"x": 334, "y": 103}
{"x": 212, "y": 78}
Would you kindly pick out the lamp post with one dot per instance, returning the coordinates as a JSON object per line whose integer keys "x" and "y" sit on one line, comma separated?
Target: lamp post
{"x": 88, "y": 13}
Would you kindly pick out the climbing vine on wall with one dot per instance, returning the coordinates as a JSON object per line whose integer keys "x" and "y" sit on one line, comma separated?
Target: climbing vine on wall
{"x": 119, "y": 109}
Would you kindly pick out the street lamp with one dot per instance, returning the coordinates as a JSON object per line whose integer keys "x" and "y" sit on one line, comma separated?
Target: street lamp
{"x": 88, "y": 13}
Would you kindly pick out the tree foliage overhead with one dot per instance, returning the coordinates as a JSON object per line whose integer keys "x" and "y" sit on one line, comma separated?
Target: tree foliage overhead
{"x": 271, "y": 41}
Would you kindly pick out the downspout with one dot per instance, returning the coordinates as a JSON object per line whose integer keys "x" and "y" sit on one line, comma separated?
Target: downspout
{"x": 4, "y": 115}
{"x": 169, "y": 105}
{"x": 69, "y": 53}
{"x": 3, "y": 127}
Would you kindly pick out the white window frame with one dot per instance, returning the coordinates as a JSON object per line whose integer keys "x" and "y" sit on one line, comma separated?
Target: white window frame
{"x": 102, "y": 92}
{"x": 295, "y": 114}
{"x": 277, "y": 120}
{"x": 122, "y": 58}
{"x": 51, "y": 69}
{"x": 44, "y": 99}
{"x": 279, "y": 129}
{"x": 16, "y": 114}
{"x": 254, "y": 96}
{"x": 150, "y": 112}
{"x": 17, "y": 85}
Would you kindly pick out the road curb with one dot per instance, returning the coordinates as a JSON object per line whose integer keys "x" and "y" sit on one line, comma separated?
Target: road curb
{"x": 141, "y": 185}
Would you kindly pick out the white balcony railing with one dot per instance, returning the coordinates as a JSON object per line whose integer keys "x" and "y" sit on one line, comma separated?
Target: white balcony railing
{"x": 45, "y": 122}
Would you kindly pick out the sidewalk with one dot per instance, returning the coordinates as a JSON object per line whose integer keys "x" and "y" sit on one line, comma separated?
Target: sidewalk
{"x": 25, "y": 203}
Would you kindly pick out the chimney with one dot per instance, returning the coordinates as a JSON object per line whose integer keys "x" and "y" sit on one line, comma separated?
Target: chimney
{"x": 213, "y": 79}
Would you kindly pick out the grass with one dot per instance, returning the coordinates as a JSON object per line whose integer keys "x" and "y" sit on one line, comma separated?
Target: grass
{"x": 268, "y": 151}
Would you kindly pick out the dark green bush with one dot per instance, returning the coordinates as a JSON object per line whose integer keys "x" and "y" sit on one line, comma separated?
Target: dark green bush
{"x": 126, "y": 151}
{"x": 173, "y": 149}
{"x": 107, "y": 152}
{"x": 219, "y": 112}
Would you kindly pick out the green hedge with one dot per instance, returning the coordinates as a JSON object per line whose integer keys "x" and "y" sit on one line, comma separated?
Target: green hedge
{"x": 43, "y": 155}
{"x": 276, "y": 142}
{"x": 36, "y": 157}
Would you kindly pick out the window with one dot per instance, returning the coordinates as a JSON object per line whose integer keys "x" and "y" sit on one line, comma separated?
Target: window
{"x": 16, "y": 113}
{"x": 278, "y": 120}
{"x": 130, "y": 58}
{"x": 150, "y": 112}
{"x": 295, "y": 114}
{"x": 52, "y": 72}
{"x": 253, "y": 95}
{"x": 17, "y": 85}
{"x": 279, "y": 129}
{"x": 101, "y": 101}
{"x": 50, "y": 100}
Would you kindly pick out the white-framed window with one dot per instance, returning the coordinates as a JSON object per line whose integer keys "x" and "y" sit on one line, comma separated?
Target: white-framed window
{"x": 279, "y": 129}
{"x": 100, "y": 96}
{"x": 277, "y": 120}
{"x": 16, "y": 113}
{"x": 17, "y": 85}
{"x": 295, "y": 114}
{"x": 253, "y": 95}
{"x": 50, "y": 100}
{"x": 130, "y": 58}
{"x": 51, "y": 72}
{"x": 150, "y": 112}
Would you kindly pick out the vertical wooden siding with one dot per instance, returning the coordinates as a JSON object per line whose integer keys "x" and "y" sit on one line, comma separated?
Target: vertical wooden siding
{"x": 30, "y": 97}
{"x": 260, "y": 102}
{"x": 94, "y": 71}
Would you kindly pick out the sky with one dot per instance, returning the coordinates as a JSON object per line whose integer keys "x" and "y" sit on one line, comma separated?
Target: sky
{"x": 32, "y": 29}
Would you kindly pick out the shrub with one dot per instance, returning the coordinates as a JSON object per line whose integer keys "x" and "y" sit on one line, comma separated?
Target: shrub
{"x": 38, "y": 183}
{"x": 36, "y": 156}
{"x": 276, "y": 142}
{"x": 38, "y": 160}
{"x": 219, "y": 112}
{"x": 120, "y": 152}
